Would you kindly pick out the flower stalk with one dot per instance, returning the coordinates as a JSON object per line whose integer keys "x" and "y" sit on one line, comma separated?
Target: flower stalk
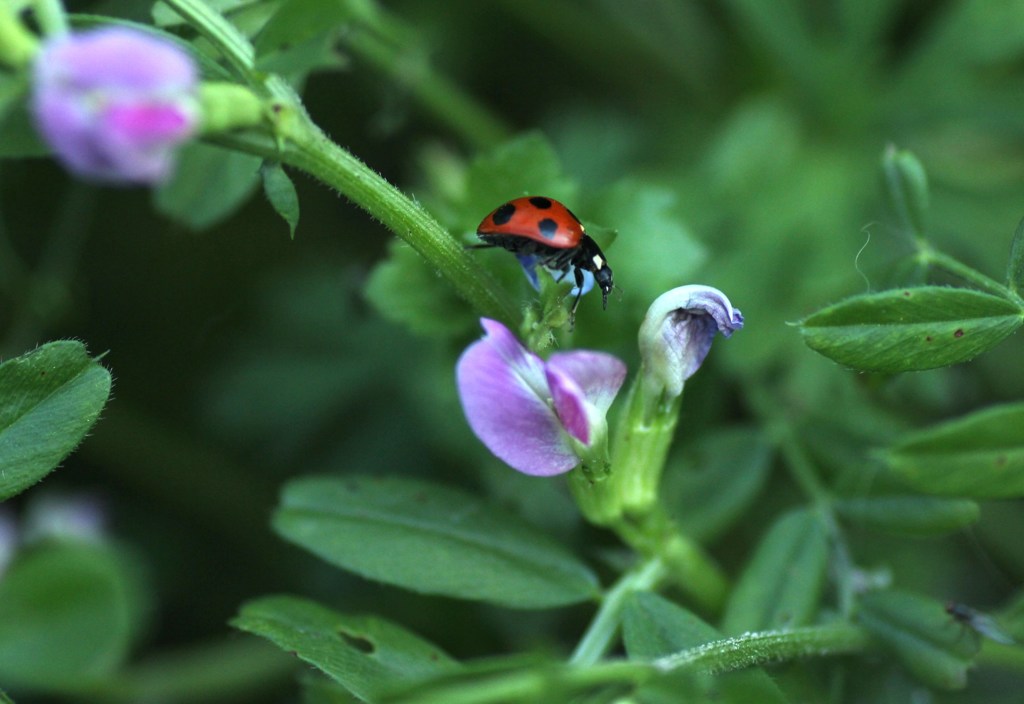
{"x": 17, "y": 44}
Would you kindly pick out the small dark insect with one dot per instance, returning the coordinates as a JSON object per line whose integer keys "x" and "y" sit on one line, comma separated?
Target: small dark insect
{"x": 978, "y": 622}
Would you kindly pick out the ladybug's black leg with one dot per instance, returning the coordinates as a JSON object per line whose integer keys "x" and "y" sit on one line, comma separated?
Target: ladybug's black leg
{"x": 578, "y": 274}
{"x": 561, "y": 276}
{"x": 480, "y": 246}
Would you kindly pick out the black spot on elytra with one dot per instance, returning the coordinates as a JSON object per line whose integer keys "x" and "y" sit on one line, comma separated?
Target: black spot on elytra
{"x": 503, "y": 214}
{"x": 361, "y": 644}
{"x": 548, "y": 227}
{"x": 959, "y": 332}
{"x": 542, "y": 203}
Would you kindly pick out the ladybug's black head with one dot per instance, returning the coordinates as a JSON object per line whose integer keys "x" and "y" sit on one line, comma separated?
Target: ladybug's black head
{"x": 603, "y": 277}
{"x": 592, "y": 259}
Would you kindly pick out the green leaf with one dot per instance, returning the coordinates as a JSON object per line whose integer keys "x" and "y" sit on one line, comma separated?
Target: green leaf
{"x": 280, "y": 191}
{"x": 782, "y": 585}
{"x": 927, "y": 640}
{"x": 910, "y": 515}
{"x": 980, "y": 455}
{"x": 366, "y": 654}
{"x": 654, "y": 627}
{"x": 1015, "y": 269}
{"x": 49, "y": 398}
{"x": 430, "y": 539}
{"x": 209, "y": 184}
{"x": 404, "y": 289}
{"x": 906, "y": 185}
{"x": 911, "y": 329}
{"x": 68, "y": 613}
{"x": 724, "y": 475}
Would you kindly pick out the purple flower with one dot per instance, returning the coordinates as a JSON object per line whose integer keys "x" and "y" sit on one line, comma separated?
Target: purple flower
{"x": 539, "y": 417}
{"x": 115, "y": 103}
{"x": 677, "y": 332}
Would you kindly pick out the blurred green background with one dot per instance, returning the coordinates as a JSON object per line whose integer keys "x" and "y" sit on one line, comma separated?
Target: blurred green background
{"x": 733, "y": 143}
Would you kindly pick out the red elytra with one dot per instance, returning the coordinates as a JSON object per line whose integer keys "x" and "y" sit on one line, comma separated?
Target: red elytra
{"x": 544, "y": 228}
{"x": 543, "y": 220}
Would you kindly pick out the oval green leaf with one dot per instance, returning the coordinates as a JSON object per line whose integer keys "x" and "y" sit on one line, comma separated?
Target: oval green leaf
{"x": 365, "y": 654}
{"x": 68, "y": 614}
{"x": 910, "y": 515}
{"x": 281, "y": 194}
{"x": 431, "y": 539}
{"x": 782, "y": 585}
{"x": 927, "y": 640}
{"x": 980, "y": 455}
{"x": 911, "y": 329}
{"x": 49, "y": 398}
{"x": 208, "y": 185}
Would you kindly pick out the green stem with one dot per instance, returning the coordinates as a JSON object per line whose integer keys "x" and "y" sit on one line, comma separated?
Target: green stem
{"x": 51, "y": 16}
{"x": 688, "y": 566}
{"x": 599, "y": 635}
{"x": 560, "y": 683}
{"x": 17, "y": 44}
{"x": 780, "y": 430}
{"x": 803, "y": 472}
{"x": 223, "y": 35}
{"x": 768, "y": 646}
{"x": 928, "y": 255}
{"x": 311, "y": 151}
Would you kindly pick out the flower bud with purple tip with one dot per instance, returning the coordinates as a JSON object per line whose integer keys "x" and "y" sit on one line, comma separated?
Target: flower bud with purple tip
{"x": 676, "y": 336}
{"x": 674, "y": 339}
{"x": 115, "y": 103}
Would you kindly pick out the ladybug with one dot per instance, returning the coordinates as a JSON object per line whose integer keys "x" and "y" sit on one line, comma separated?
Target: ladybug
{"x": 544, "y": 228}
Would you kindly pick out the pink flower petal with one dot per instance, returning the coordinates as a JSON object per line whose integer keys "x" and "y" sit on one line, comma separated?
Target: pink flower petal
{"x": 504, "y": 396}
{"x": 598, "y": 375}
{"x": 570, "y": 404}
{"x": 115, "y": 103}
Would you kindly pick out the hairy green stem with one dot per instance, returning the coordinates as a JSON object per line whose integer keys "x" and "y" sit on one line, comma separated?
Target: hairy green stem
{"x": 312, "y": 151}
{"x": 718, "y": 656}
{"x": 231, "y": 43}
{"x": 763, "y": 647}
{"x": 599, "y": 635}
{"x": 928, "y": 255}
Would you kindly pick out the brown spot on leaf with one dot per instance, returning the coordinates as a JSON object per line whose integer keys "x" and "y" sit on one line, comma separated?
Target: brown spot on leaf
{"x": 959, "y": 332}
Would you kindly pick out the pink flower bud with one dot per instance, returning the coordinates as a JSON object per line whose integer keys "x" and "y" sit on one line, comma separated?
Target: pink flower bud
{"x": 115, "y": 104}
